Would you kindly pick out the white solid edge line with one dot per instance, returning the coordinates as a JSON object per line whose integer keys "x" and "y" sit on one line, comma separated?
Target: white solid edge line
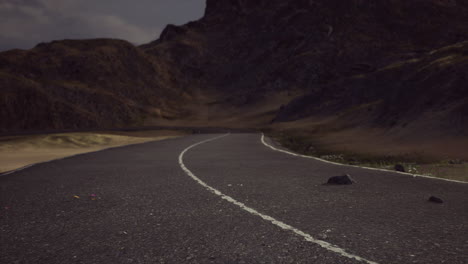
{"x": 270, "y": 219}
{"x": 354, "y": 166}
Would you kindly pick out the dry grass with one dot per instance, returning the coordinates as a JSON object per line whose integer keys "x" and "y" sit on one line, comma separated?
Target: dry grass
{"x": 20, "y": 151}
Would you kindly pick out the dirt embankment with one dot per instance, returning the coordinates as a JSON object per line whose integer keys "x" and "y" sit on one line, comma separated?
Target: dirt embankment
{"x": 20, "y": 151}
{"x": 446, "y": 157}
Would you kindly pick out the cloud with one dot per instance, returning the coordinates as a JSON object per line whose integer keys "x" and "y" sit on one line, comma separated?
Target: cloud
{"x": 62, "y": 6}
{"x": 24, "y": 23}
{"x": 115, "y": 27}
{"x": 20, "y": 21}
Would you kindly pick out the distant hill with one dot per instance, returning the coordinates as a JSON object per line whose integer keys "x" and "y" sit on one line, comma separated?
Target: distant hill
{"x": 75, "y": 84}
{"x": 359, "y": 62}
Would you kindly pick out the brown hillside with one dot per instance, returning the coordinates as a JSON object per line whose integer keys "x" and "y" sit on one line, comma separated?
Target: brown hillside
{"x": 83, "y": 84}
{"x": 249, "y": 47}
{"x": 427, "y": 94}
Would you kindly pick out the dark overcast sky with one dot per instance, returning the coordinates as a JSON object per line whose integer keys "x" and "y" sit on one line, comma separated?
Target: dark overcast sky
{"x": 24, "y": 23}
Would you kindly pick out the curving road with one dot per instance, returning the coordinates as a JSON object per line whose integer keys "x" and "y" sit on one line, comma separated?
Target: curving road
{"x": 224, "y": 199}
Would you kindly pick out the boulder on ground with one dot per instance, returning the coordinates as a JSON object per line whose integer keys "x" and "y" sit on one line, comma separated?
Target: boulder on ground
{"x": 435, "y": 199}
{"x": 400, "y": 168}
{"x": 341, "y": 180}
{"x": 455, "y": 162}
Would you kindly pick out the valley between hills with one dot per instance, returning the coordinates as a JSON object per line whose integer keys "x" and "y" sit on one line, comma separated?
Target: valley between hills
{"x": 360, "y": 82}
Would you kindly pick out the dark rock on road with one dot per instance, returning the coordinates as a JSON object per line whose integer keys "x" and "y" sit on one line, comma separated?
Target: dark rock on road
{"x": 435, "y": 199}
{"x": 341, "y": 180}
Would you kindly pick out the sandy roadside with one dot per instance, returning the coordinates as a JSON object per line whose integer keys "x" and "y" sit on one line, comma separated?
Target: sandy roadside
{"x": 17, "y": 152}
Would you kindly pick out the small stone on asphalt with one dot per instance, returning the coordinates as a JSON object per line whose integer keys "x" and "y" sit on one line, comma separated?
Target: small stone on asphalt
{"x": 435, "y": 199}
{"x": 341, "y": 180}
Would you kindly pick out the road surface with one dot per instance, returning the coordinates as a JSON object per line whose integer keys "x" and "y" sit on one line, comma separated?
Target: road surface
{"x": 224, "y": 199}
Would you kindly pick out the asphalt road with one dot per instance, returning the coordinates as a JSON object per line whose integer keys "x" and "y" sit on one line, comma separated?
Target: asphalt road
{"x": 229, "y": 200}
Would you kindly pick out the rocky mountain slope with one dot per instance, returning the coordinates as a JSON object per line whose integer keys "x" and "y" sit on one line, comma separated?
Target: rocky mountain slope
{"x": 421, "y": 94}
{"x": 75, "y": 84}
{"x": 245, "y": 46}
{"x": 403, "y": 60}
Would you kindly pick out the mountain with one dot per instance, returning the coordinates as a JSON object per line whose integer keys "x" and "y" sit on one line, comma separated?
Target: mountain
{"x": 425, "y": 93}
{"x": 406, "y": 59}
{"x": 76, "y": 84}
{"x": 403, "y": 60}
